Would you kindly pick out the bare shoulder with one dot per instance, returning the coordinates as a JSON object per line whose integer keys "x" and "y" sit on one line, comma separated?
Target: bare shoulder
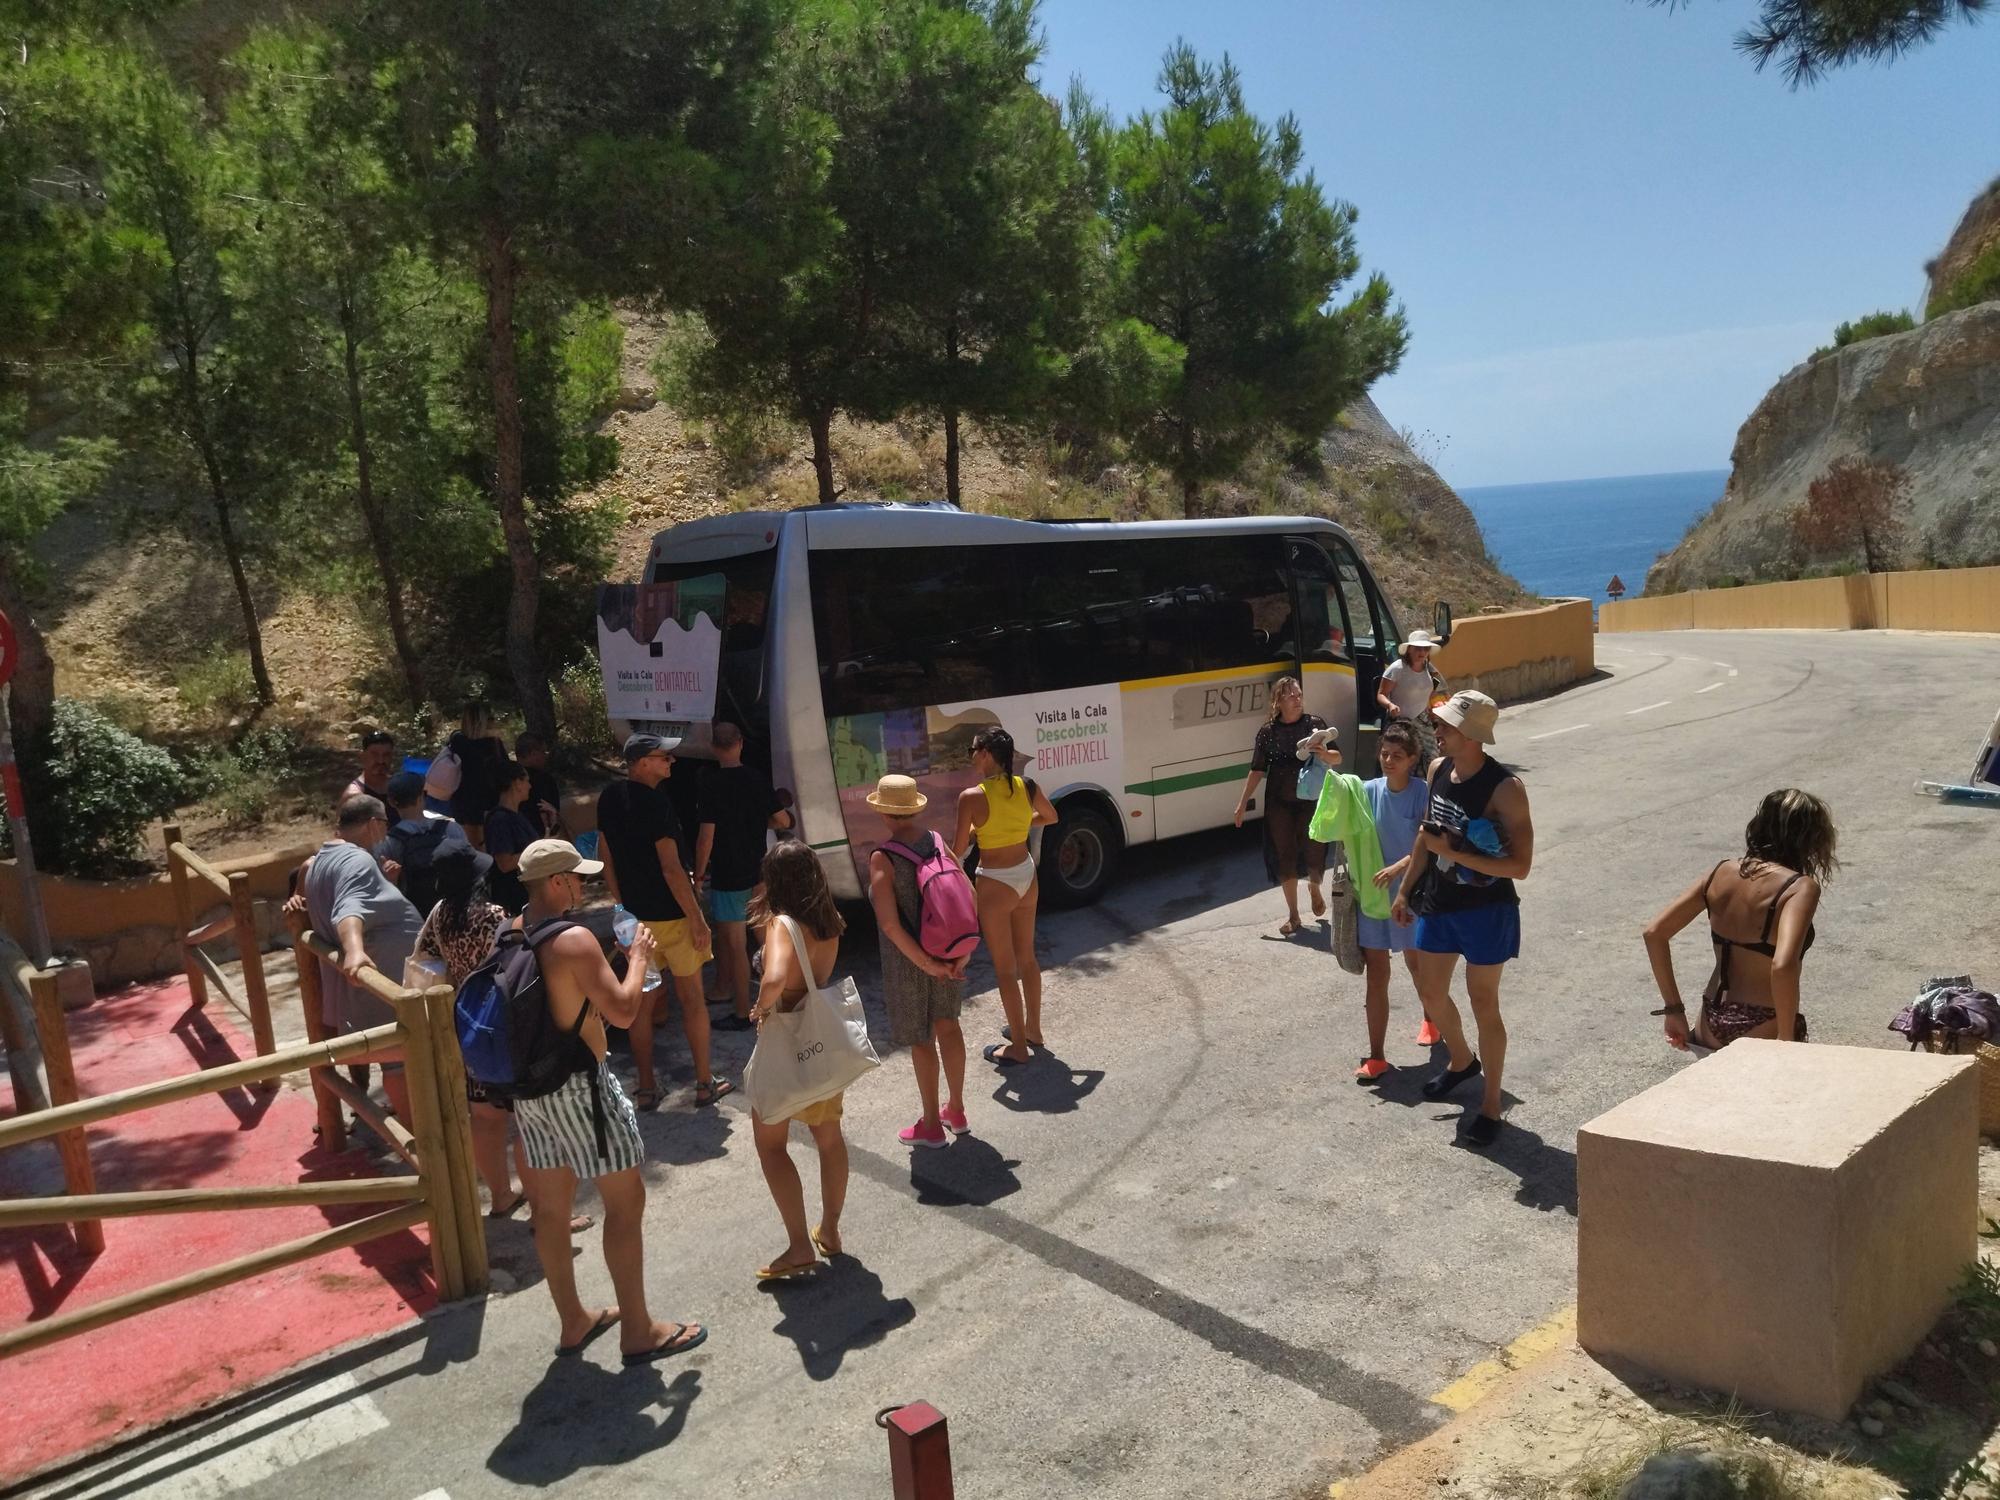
{"x": 575, "y": 943}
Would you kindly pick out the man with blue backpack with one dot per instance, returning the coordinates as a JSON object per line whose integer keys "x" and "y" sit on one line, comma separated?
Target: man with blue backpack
{"x": 531, "y": 1023}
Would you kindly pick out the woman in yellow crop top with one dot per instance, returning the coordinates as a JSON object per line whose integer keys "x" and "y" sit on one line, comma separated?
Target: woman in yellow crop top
{"x": 1002, "y": 809}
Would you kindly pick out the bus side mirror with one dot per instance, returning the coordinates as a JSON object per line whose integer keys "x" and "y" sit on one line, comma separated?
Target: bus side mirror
{"x": 1441, "y": 622}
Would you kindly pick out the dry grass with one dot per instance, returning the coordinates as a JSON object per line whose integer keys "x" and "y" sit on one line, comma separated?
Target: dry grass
{"x": 1759, "y": 1468}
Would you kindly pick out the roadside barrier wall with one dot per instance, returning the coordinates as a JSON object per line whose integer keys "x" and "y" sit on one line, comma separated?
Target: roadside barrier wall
{"x": 1522, "y": 652}
{"x": 1965, "y": 599}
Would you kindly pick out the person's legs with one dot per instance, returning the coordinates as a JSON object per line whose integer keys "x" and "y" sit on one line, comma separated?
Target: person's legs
{"x": 996, "y": 905}
{"x": 950, "y": 1043}
{"x": 924, "y": 1062}
{"x": 489, "y": 1154}
{"x": 1314, "y": 853}
{"x": 1433, "y": 976}
{"x": 786, "y": 1190}
{"x": 552, "y": 1193}
{"x": 396, "y": 1084}
{"x": 1376, "y": 966}
{"x": 640, "y": 1034}
{"x": 1482, "y": 988}
{"x": 624, "y": 1195}
{"x": 1021, "y": 927}
{"x": 694, "y": 1023}
{"x": 732, "y": 956}
{"x": 832, "y": 1181}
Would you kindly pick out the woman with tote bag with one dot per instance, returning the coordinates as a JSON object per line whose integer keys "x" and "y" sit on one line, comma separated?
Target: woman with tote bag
{"x": 812, "y": 1042}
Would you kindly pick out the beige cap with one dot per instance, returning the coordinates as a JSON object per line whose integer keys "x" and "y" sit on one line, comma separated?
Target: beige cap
{"x": 1471, "y": 714}
{"x": 546, "y": 857}
{"x": 898, "y": 796}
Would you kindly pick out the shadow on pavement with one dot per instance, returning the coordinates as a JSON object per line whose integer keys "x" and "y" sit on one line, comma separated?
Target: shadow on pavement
{"x": 839, "y": 1309}
{"x": 1047, "y": 1086}
{"x": 967, "y": 1172}
{"x": 582, "y": 1415}
{"x": 1547, "y": 1173}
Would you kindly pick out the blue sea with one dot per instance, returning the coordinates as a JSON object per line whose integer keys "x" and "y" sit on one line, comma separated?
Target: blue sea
{"x": 1571, "y": 537}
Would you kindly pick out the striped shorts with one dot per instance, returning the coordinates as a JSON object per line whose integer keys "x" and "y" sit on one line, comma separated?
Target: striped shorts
{"x": 556, "y": 1129}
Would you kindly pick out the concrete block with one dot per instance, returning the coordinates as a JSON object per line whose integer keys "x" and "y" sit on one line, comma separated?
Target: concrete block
{"x": 1779, "y": 1221}
{"x": 73, "y": 983}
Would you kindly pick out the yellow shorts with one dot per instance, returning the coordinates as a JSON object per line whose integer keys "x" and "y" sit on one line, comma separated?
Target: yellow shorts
{"x": 826, "y": 1112}
{"x": 674, "y": 951}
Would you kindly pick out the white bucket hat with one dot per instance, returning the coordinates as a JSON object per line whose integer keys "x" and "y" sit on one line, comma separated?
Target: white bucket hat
{"x": 1471, "y": 714}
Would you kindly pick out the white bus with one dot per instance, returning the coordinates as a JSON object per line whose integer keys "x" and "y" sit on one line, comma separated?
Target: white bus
{"x": 1131, "y": 662}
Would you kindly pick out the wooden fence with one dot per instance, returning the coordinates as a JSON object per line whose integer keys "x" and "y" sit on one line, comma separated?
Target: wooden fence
{"x": 439, "y": 1191}
{"x": 184, "y": 867}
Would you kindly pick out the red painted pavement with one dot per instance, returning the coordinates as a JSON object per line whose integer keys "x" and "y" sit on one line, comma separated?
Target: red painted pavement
{"x": 82, "y": 1392}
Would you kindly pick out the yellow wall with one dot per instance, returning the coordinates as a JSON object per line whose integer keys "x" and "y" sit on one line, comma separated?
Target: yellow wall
{"x": 1522, "y": 651}
{"x": 82, "y": 909}
{"x": 1938, "y": 599}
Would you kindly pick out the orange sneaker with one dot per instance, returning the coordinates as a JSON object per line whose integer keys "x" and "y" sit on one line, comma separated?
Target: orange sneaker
{"x": 1372, "y": 1070}
{"x": 1427, "y": 1034}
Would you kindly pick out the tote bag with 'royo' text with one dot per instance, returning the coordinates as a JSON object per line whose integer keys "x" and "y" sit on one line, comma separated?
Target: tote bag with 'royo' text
{"x": 805, "y": 1055}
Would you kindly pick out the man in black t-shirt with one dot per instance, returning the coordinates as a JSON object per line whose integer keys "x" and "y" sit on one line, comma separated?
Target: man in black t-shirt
{"x": 640, "y": 842}
{"x": 735, "y": 809}
{"x": 544, "y": 803}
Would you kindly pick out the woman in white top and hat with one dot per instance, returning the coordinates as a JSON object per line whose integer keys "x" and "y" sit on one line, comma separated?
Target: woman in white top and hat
{"x": 1407, "y": 688}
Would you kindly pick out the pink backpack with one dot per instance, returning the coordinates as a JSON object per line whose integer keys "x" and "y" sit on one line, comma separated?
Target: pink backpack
{"x": 949, "y": 925}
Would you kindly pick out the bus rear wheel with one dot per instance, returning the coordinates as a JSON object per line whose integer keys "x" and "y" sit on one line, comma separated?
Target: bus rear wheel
{"x": 1078, "y": 855}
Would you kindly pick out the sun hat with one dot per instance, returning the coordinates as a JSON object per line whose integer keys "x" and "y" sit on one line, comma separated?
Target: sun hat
{"x": 460, "y": 867}
{"x": 546, "y": 857}
{"x": 1421, "y": 638}
{"x": 1471, "y": 714}
{"x": 898, "y": 796}
{"x": 639, "y": 746}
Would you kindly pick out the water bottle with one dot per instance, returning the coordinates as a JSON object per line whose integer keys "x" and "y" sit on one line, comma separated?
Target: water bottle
{"x": 625, "y": 927}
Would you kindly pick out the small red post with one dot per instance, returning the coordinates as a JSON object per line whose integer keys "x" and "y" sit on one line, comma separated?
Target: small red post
{"x": 919, "y": 1452}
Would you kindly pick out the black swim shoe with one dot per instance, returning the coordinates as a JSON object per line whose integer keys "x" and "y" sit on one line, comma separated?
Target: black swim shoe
{"x": 1482, "y": 1132}
{"x": 1440, "y": 1084}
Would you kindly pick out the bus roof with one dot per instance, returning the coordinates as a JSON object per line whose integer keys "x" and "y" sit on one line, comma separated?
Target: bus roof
{"x": 933, "y": 523}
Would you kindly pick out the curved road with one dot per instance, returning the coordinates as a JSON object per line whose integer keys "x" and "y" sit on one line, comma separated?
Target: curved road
{"x": 1189, "y": 1256}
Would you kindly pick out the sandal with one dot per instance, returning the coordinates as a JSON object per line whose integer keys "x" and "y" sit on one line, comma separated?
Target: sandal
{"x": 995, "y": 1053}
{"x": 1292, "y": 927}
{"x": 820, "y": 1244}
{"x": 795, "y": 1272}
{"x": 606, "y": 1321}
{"x": 685, "y": 1336}
{"x": 581, "y": 1222}
{"x": 646, "y": 1100}
{"x": 497, "y": 1211}
{"x": 707, "y": 1093}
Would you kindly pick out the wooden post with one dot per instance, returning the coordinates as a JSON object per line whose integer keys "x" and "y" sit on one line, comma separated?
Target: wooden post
{"x": 457, "y": 1119}
{"x": 332, "y": 1126}
{"x": 184, "y": 917}
{"x": 72, "y": 1146}
{"x": 250, "y": 953}
{"x": 433, "y": 1157}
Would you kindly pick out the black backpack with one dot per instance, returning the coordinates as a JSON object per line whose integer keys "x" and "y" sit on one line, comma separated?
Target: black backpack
{"x": 512, "y": 1046}
{"x": 416, "y": 853}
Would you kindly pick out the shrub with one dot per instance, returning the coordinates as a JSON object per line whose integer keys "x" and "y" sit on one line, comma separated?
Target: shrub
{"x": 102, "y": 787}
{"x": 1872, "y": 327}
{"x": 582, "y": 720}
{"x": 884, "y": 470}
{"x": 245, "y": 779}
{"x": 217, "y": 685}
{"x": 1978, "y": 282}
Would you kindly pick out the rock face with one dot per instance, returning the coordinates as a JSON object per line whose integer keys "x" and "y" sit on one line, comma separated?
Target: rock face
{"x": 1976, "y": 233}
{"x": 1927, "y": 400}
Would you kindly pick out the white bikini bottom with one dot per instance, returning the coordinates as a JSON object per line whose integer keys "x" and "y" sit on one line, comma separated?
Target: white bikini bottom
{"x": 1017, "y": 878}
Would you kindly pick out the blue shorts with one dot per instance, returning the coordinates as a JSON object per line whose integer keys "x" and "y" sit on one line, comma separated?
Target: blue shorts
{"x": 729, "y": 906}
{"x": 1482, "y": 935}
{"x": 1382, "y": 934}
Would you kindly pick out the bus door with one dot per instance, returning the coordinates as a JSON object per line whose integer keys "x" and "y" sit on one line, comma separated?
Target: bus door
{"x": 1339, "y": 644}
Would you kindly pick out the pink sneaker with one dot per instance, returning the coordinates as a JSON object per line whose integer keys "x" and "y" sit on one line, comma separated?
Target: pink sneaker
{"x": 953, "y": 1120}
{"x": 1427, "y": 1034}
{"x": 921, "y": 1134}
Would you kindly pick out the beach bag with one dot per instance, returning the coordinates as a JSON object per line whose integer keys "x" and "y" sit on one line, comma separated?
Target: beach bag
{"x": 1344, "y": 912}
{"x": 948, "y": 925}
{"x": 1312, "y": 777}
{"x": 806, "y": 1055}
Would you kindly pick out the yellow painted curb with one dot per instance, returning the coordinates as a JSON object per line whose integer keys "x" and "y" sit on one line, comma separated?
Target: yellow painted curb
{"x": 1478, "y": 1382}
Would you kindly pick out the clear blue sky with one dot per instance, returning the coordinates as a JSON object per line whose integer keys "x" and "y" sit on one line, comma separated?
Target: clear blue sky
{"x": 1610, "y": 233}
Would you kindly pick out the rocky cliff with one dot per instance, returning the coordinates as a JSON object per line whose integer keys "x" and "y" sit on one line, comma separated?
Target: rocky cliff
{"x": 1927, "y": 400}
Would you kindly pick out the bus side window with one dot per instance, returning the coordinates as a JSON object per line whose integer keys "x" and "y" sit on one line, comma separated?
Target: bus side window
{"x": 1361, "y": 612}
{"x": 1323, "y": 628}
{"x": 1240, "y": 600}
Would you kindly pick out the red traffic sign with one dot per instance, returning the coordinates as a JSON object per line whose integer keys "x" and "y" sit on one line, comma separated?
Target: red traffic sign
{"x": 10, "y": 650}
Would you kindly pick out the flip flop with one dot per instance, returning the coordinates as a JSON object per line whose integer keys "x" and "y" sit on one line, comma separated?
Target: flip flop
{"x": 996, "y": 1053}
{"x": 677, "y": 1343}
{"x": 1290, "y": 928}
{"x": 580, "y": 1222}
{"x": 787, "y": 1273}
{"x": 820, "y": 1245}
{"x": 606, "y": 1321}
{"x": 1007, "y": 1033}
{"x": 497, "y": 1212}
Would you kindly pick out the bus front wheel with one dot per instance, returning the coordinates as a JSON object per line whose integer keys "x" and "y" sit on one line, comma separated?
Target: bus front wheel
{"x": 1078, "y": 855}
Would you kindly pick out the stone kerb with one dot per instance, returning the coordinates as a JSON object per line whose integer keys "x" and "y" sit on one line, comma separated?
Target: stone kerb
{"x": 1780, "y": 1222}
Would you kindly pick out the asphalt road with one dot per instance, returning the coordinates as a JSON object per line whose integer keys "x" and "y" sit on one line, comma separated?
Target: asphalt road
{"x": 1186, "y": 1254}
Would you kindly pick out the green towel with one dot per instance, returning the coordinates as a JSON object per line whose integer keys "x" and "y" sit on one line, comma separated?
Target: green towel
{"x": 1343, "y": 814}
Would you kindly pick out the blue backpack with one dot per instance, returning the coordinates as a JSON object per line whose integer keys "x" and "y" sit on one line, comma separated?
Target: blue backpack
{"x": 512, "y": 1046}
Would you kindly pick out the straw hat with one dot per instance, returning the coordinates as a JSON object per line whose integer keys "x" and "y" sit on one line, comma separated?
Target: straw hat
{"x": 1471, "y": 714}
{"x": 898, "y": 796}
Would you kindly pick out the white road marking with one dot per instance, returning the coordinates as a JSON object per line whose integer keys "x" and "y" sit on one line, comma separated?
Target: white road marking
{"x": 1648, "y": 708}
{"x": 435, "y": 1495}
{"x": 1711, "y": 687}
{"x": 263, "y": 1442}
{"x": 1551, "y": 734}
{"x": 1724, "y": 665}
{"x": 1732, "y": 671}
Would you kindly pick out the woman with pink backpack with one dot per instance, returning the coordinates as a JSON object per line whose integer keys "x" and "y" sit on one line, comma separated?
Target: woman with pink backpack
{"x": 929, "y": 926}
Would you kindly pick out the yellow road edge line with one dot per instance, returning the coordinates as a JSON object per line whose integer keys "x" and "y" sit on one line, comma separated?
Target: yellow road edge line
{"x": 1478, "y": 1382}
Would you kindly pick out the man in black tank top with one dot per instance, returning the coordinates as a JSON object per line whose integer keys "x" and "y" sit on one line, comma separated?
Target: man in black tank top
{"x": 1477, "y": 839}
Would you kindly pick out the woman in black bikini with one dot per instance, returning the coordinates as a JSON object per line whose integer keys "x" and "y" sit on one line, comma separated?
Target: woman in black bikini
{"x": 1760, "y": 915}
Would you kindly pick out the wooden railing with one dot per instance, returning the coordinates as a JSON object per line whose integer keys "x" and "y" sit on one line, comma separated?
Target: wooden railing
{"x": 184, "y": 867}
{"x": 440, "y": 1192}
